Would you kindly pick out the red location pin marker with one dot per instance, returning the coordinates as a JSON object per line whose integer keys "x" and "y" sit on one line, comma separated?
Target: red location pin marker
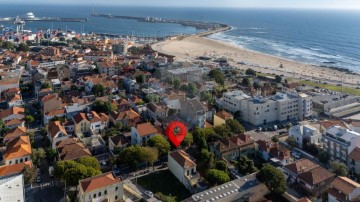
{"x": 176, "y": 132}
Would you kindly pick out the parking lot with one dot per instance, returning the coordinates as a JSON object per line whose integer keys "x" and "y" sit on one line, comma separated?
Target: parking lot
{"x": 266, "y": 136}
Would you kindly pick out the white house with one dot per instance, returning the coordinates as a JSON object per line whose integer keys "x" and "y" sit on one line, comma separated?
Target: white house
{"x": 184, "y": 169}
{"x": 56, "y": 133}
{"x": 142, "y": 132}
{"x": 339, "y": 142}
{"x": 105, "y": 187}
{"x": 305, "y": 132}
{"x": 343, "y": 189}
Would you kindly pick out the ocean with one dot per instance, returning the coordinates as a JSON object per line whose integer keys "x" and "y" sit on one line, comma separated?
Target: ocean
{"x": 319, "y": 37}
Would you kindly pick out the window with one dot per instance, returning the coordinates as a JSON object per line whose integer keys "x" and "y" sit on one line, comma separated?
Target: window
{"x": 116, "y": 188}
{"x": 116, "y": 197}
{"x": 94, "y": 195}
{"x": 99, "y": 193}
{"x": 105, "y": 192}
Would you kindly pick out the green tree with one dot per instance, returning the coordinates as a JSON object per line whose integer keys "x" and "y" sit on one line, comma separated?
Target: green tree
{"x": 273, "y": 178}
{"x": 37, "y": 155}
{"x": 165, "y": 198}
{"x": 98, "y": 90}
{"x": 217, "y": 177}
{"x": 51, "y": 154}
{"x": 235, "y": 126}
{"x": 23, "y": 47}
{"x": 246, "y": 81}
{"x": 340, "y": 169}
{"x": 188, "y": 140}
{"x": 72, "y": 172}
{"x": 159, "y": 142}
{"x": 3, "y": 128}
{"x": 218, "y": 76}
{"x": 8, "y": 45}
{"x": 29, "y": 174}
{"x": 45, "y": 85}
{"x": 311, "y": 149}
{"x": 29, "y": 119}
{"x": 222, "y": 131}
{"x": 291, "y": 141}
{"x": 140, "y": 79}
{"x": 103, "y": 107}
{"x": 192, "y": 89}
{"x": 207, "y": 96}
{"x": 149, "y": 155}
{"x": 176, "y": 83}
{"x": 324, "y": 157}
{"x": 278, "y": 79}
{"x": 201, "y": 135}
{"x": 206, "y": 159}
{"x": 256, "y": 85}
{"x": 246, "y": 166}
{"x": 275, "y": 139}
{"x": 250, "y": 72}
{"x": 221, "y": 165}
{"x": 89, "y": 162}
{"x": 151, "y": 98}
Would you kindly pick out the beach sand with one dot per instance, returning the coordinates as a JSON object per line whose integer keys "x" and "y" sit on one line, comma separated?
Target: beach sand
{"x": 191, "y": 47}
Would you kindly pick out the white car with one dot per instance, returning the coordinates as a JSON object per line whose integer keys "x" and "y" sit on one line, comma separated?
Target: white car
{"x": 149, "y": 194}
{"x": 296, "y": 155}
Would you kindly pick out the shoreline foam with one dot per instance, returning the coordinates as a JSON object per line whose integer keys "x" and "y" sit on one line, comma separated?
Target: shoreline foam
{"x": 188, "y": 48}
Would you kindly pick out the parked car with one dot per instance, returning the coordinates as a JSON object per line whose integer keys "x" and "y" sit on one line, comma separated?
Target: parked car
{"x": 164, "y": 165}
{"x": 149, "y": 194}
{"x": 38, "y": 179}
{"x": 296, "y": 154}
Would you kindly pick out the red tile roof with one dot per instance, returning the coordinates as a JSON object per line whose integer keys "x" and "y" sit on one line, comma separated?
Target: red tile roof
{"x": 14, "y": 168}
{"x": 98, "y": 182}
{"x": 344, "y": 185}
{"x": 15, "y": 110}
{"x": 79, "y": 117}
{"x": 316, "y": 175}
{"x": 183, "y": 159}
{"x": 17, "y": 148}
{"x": 15, "y": 132}
{"x": 300, "y": 166}
{"x": 55, "y": 127}
{"x": 224, "y": 115}
{"x": 145, "y": 129}
{"x": 355, "y": 154}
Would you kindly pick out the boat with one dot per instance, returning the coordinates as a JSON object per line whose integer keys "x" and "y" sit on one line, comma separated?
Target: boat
{"x": 28, "y": 16}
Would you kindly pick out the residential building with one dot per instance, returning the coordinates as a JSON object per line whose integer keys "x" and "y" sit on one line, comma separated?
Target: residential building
{"x": 343, "y": 189}
{"x": 13, "y": 123}
{"x": 339, "y": 142}
{"x": 14, "y": 133}
{"x": 56, "y": 133}
{"x": 109, "y": 68}
{"x": 315, "y": 181}
{"x": 15, "y": 101}
{"x": 193, "y": 112}
{"x": 51, "y": 102}
{"x": 172, "y": 99}
{"x": 184, "y": 169}
{"x": 156, "y": 111}
{"x": 122, "y": 105}
{"x": 117, "y": 143}
{"x": 129, "y": 117}
{"x": 82, "y": 124}
{"x": 142, "y": 132}
{"x": 231, "y": 100}
{"x": 98, "y": 122}
{"x": 12, "y": 188}
{"x": 292, "y": 170}
{"x": 305, "y": 133}
{"x": 233, "y": 147}
{"x": 71, "y": 149}
{"x": 56, "y": 113}
{"x": 105, "y": 187}
{"x": 354, "y": 161}
{"x": 96, "y": 55}
{"x": 17, "y": 150}
{"x": 12, "y": 113}
{"x": 221, "y": 116}
{"x": 279, "y": 108}
{"x": 272, "y": 151}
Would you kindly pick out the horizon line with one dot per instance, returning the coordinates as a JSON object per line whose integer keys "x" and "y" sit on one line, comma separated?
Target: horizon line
{"x": 169, "y": 6}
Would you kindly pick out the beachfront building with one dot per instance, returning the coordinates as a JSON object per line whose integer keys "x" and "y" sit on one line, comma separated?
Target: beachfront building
{"x": 339, "y": 142}
{"x": 231, "y": 100}
{"x": 305, "y": 133}
{"x": 278, "y": 108}
{"x": 193, "y": 112}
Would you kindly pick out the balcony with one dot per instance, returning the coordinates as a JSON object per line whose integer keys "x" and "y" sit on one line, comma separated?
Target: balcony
{"x": 193, "y": 178}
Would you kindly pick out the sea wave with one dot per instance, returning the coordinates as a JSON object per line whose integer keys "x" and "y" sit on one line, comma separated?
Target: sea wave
{"x": 311, "y": 55}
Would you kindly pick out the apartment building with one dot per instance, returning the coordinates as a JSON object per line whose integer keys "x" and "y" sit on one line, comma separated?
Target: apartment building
{"x": 339, "y": 142}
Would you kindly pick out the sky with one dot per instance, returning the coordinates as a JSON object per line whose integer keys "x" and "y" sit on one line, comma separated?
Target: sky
{"x": 323, "y": 4}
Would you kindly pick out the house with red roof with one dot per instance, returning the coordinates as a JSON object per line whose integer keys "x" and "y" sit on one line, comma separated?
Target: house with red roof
{"x": 105, "y": 187}
{"x": 142, "y": 132}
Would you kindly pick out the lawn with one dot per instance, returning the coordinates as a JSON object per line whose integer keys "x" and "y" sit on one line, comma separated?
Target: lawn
{"x": 166, "y": 183}
{"x": 332, "y": 87}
